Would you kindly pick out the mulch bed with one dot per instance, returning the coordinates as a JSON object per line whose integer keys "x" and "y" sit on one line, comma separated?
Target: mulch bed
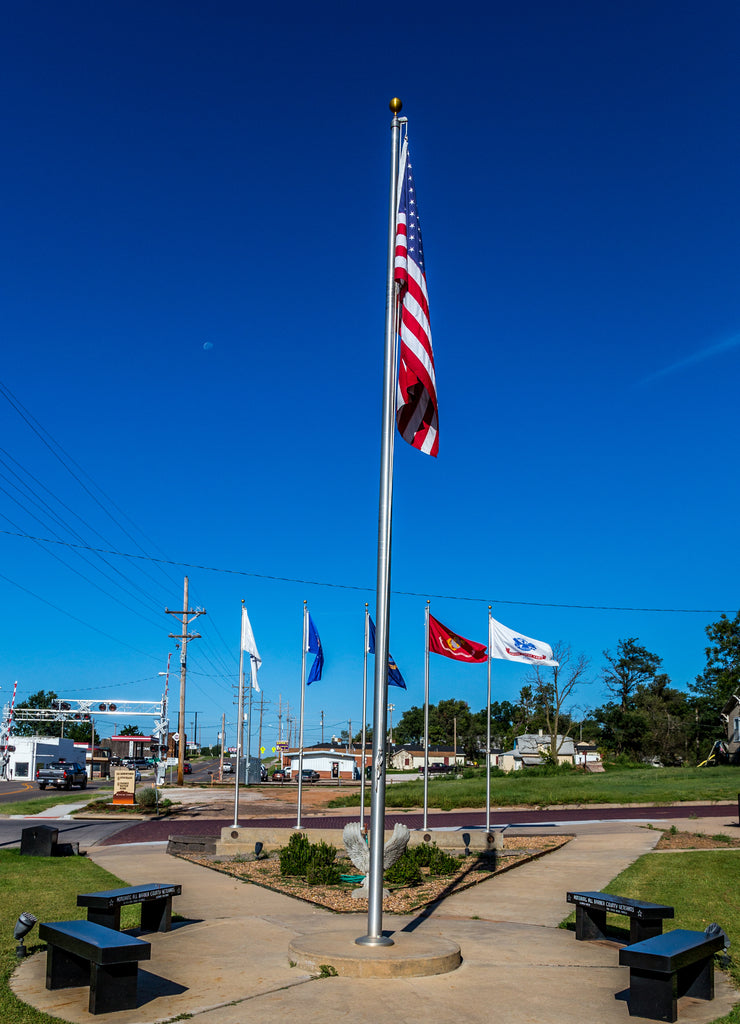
{"x": 696, "y": 841}
{"x": 402, "y": 900}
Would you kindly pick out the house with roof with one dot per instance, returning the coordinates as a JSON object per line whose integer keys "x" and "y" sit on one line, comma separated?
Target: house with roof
{"x": 411, "y": 758}
{"x": 531, "y": 749}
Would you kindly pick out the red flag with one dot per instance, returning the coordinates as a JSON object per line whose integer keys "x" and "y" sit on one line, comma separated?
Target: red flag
{"x": 443, "y": 641}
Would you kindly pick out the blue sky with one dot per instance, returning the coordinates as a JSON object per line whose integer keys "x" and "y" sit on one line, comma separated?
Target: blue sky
{"x": 195, "y": 216}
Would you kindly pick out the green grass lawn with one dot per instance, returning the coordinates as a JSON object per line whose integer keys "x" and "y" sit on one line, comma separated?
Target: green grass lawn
{"x": 41, "y": 803}
{"x": 702, "y": 886}
{"x": 538, "y": 789}
{"x": 46, "y": 887}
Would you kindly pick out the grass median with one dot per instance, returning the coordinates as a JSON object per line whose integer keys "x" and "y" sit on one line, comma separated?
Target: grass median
{"x": 535, "y": 787}
{"x": 46, "y": 887}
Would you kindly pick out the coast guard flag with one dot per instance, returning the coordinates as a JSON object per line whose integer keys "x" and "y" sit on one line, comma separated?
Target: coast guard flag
{"x": 250, "y": 647}
{"x": 443, "y": 641}
{"x": 314, "y": 646}
{"x": 511, "y": 646}
{"x": 394, "y": 673}
{"x": 416, "y": 401}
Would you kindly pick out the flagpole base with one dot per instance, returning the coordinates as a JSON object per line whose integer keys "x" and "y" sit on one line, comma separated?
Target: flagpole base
{"x": 374, "y": 940}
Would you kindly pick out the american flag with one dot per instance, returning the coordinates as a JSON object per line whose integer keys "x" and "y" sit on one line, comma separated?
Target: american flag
{"x": 416, "y": 403}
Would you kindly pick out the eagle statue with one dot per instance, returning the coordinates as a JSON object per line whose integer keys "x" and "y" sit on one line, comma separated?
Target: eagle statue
{"x": 359, "y": 853}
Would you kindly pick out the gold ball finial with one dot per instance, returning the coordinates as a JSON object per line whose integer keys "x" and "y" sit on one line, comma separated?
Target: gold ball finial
{"x": 395, "y": 105}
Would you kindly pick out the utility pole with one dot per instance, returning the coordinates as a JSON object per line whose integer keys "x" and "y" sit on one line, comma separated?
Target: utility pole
{"x": 349, "y": 745}
{"x": 262, "y": 710}
{"x": 280, "y": 717}
{"x": 187, "y": 616}
{"x": 223, "y": 744}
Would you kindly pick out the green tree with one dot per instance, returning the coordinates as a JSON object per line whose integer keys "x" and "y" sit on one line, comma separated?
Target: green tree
{"x": 410, "y": 727}
{"x": 47, "y": 700}
{"x": 131, "y": 730}
{"x": 629, "y": 667}
{"x": 720, "y": 678}
{"x": 668, "y": 720}
{"x": 552, "y": 687}
{"x": 41, "y": 700}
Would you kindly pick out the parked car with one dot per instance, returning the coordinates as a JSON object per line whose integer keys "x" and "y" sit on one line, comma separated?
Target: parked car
{"x": 437, "y": 768}
{"x": 228, "y": 768}
{"x": 309, "y": 775}
{"x": 280, "y": 775}
{"x": 187, "y": 770}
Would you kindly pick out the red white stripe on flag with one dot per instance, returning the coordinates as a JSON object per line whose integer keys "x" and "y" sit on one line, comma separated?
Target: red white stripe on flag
{"x": 416, "y": 403}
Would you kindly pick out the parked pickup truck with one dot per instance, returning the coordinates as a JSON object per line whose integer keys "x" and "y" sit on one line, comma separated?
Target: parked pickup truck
{"x": 61, "y": 775}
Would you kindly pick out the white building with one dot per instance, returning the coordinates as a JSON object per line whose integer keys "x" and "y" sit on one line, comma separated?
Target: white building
{"x": 31, "y": 751}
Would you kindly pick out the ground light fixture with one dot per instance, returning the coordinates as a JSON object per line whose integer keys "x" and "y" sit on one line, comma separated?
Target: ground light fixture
{"x": 23, "y": 926}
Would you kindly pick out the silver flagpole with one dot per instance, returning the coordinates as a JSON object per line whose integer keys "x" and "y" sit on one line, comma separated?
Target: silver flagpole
{"x": 375, "y": 935}
{"x": 364, "y": 718}
{"x": 488, "y": 730}
{"x": 240, "y": 727}
{"x": 303, "y": 701}
{"x": 426, "y": 714}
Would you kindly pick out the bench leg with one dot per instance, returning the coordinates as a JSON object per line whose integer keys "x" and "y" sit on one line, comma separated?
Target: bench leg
{"x": 647, "y": 928}
{"x": 156, "y": 915}
{"x": 65, "y": 970}
{"x": 113, "y": 987}
{"x": 590, "y": 923}
{"x": 652, "y": 995}
{"x": 697, "y": 979}
{"x": 108, "y": 918}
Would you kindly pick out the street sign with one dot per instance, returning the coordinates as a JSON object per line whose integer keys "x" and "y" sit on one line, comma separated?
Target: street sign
{"x": 171, "y": 762}
{"x": 176, "y": 737}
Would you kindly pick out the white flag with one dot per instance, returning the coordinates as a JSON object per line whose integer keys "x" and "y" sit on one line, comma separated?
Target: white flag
{"x": 248, "y": 644}
{"x": 505, "y": 643}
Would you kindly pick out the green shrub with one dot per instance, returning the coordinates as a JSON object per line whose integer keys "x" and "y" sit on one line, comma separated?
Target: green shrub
{"x": 294, "y": 856}
{"x": 441, "y": 863}
{"x": 405, "y": 871}
{"x": 314, "y": 860}
{"x": 146, "y": 798}
{"x": 322, "y": 874}
{"x": 322, "y": 853}
{"x": 422, "y": 854}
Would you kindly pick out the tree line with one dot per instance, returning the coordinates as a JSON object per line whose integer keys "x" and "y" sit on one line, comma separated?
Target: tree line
{"x": 645, "y": 717}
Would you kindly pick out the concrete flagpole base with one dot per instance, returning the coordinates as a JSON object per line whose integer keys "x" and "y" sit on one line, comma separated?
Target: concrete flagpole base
{"x": 410, "y": 956}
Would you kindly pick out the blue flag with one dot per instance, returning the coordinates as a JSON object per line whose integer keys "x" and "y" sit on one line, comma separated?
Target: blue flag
{"x": 314, "y": 646}
{"x": 394, "y": 673}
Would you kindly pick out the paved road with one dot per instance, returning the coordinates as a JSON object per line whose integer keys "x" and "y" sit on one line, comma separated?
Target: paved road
{"x": 86, "y": 833}
{"x": 16, "y": 790}
{"x": 159, "y": 831}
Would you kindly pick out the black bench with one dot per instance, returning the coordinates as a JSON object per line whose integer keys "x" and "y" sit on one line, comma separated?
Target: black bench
{"x": 666, "y": 967}
{"x": 82, "y": 953}
{"x": 646, "y": 919}
{"x": 155, "y": 899}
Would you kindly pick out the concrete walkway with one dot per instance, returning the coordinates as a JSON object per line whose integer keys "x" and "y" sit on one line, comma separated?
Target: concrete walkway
{"x": 228, "y": 962}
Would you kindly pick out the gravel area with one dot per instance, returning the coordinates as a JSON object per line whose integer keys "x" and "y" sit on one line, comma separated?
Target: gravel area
{"x": 696, "y": 841}
{"x": 402, "y": 900}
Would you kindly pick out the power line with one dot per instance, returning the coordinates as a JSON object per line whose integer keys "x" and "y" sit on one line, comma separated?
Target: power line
{"x": 371, "y": 590}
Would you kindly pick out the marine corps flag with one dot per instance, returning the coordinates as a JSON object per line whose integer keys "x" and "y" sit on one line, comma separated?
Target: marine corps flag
{"x": 443, "y": 641}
